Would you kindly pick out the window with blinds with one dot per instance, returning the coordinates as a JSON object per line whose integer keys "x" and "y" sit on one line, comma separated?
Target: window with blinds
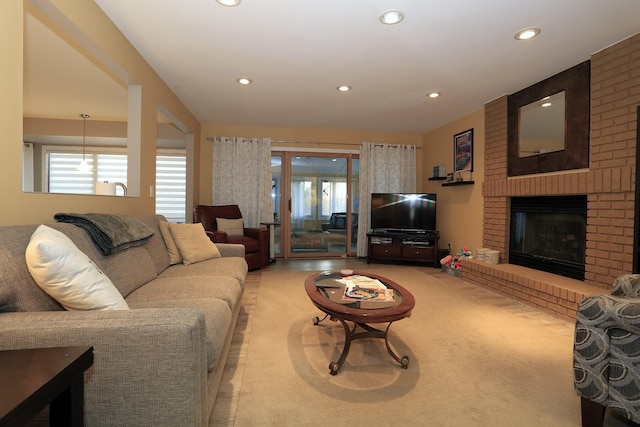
{"x": 171, "y": 183}
{"x": 62, "y": 175}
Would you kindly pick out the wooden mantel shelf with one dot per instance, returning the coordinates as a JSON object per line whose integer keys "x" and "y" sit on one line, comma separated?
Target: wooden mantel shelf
{"x": 450, "y": 184}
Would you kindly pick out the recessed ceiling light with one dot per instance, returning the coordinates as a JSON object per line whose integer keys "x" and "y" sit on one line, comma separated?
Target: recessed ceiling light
{"x": 391, "y": 17}
{"x": 244, "y": 81}
{"x": 546, "y": 104}
{"x": 344, "y": 88}
{"x": 527, "y": 33}
{"x": 229, "y": 3}
{"x": 433, "y": 94}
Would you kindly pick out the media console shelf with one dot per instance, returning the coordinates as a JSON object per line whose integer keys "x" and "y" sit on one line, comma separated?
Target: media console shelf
{"x": 403, "y": 247}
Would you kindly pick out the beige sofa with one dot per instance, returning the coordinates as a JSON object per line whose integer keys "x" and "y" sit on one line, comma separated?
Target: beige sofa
{"x": 158, "y": 363}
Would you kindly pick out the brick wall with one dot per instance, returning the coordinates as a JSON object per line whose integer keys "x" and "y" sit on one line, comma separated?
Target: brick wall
{"x": 615, "y": 96}
{"x": 609, "y": 182}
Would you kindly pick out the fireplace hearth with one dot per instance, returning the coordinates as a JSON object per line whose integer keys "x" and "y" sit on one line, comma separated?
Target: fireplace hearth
{"x": 548, "y": 233}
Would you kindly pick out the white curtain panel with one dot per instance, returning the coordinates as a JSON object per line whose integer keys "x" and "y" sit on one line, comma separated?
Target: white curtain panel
{"x": 242, "y": 176}
{"x": 384, "y": 168}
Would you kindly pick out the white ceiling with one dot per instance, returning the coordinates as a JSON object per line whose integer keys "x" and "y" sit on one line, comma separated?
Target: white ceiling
{"x": 298, "y": 51}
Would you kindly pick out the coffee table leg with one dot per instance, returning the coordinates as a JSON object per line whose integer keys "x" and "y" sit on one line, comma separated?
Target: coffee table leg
{"x": 317, "y": 320}
{"x": 404, "y": 360}
{"x": 334, "y": 367}
{"x": 369, "y": 332}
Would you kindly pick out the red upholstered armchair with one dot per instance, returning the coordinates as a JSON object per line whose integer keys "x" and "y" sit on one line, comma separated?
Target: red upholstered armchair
{"x": 255, "y": 240}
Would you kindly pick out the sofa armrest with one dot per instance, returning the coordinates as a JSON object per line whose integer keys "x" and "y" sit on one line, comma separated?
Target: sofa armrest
{"x": 231, "y": 249}
{"x": 149, "y": 368}
{"x": 218, "y": 236}
{"x": 261, "y": 234}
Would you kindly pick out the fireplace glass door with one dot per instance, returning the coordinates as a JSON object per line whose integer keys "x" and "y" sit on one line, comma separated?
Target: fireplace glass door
{"x": 549, "y": 234}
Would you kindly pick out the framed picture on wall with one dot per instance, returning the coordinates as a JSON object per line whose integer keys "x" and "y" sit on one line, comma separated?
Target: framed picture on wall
{"x": 463, "y": 151}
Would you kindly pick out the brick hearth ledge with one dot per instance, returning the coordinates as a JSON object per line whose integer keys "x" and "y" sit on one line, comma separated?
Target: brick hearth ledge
{"x": 548, "y": 292}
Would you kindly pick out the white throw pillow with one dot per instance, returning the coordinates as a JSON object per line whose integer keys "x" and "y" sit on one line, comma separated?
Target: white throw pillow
{"x": 68, "y": 275}
{"x": 233, "y": 227}
{"x": 193, "y": 243}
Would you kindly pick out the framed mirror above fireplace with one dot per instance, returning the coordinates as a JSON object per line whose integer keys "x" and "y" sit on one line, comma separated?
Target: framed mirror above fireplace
{"x": 544, "y": 151}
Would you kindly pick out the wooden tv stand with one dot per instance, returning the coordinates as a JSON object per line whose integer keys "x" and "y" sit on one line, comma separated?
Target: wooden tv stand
{"x": 414, "y": 247}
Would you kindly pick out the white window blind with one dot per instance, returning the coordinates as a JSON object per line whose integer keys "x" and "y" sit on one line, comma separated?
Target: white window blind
{"x": 112, "y": 168}
{"x": 62, "y": 176}
{"x": 171, "y": 182}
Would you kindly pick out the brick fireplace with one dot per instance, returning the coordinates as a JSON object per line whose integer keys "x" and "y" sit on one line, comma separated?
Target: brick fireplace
{"x": 608, "y": 183}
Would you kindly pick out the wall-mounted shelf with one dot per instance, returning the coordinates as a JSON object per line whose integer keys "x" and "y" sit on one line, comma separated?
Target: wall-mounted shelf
{"x": 437, "y": 178}
{"x": 449, "y": 184}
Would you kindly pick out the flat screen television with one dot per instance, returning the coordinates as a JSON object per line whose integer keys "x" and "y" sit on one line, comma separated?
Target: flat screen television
{"x": 403, "y": 212}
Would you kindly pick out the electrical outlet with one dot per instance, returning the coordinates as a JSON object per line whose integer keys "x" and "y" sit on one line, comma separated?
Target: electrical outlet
{"x": 449, "y": 247}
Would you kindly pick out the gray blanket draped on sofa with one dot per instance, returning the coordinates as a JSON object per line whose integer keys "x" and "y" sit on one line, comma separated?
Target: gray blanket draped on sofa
{"x": 111, "y": 233}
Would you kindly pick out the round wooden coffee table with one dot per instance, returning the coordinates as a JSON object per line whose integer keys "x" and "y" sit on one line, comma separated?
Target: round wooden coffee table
{"x": 328, "y": 294}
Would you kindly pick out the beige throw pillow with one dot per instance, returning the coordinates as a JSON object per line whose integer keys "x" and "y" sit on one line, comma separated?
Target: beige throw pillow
{"x": 193, "y": 243}
{"x": 174, "y": 253}
{"x": 68, "y": 275}
{"x": 233, "y": 227}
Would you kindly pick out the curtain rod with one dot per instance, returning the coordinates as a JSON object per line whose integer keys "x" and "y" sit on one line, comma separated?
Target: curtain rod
{"x": 284, "y": 141}
{"x": 336, "y": 143}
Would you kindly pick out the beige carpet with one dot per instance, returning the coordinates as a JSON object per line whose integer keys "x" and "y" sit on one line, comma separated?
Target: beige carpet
{"x": 477, "y": 359}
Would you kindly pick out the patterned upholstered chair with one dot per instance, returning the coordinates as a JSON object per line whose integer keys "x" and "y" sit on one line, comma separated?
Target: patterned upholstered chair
{"x": 606, "y": 357}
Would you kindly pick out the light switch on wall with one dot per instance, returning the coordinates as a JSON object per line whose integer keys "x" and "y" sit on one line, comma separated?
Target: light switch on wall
{"x": 151, "y": 191}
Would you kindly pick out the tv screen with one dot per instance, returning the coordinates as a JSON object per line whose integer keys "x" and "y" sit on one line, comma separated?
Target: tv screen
{"x": 403, "y": 211}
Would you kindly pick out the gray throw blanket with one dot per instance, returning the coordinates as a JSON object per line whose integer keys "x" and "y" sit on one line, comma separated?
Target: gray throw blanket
{"x": 111, "y": 233}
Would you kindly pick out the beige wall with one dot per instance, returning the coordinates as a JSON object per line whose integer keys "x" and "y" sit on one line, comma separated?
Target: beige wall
{"x": 459, "y": 214}
{"x": 24, "y": 208}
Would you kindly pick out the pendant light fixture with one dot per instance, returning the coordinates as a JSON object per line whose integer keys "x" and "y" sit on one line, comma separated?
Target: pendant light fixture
{"x": 84, "y": 165}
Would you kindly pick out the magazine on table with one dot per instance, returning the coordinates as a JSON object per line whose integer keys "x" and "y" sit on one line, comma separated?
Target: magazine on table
{"x": 363, "y": 288}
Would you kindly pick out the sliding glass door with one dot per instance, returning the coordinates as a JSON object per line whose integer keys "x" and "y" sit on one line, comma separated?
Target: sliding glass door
{"x": 316, "y": 202}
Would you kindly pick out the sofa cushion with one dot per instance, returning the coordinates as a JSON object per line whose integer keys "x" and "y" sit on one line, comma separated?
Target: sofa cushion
{"x": 129, "y": 269}
{"x": 217, "y": 317}
{"x": 18, "y": 290}
{"x": 235, "y": 267}
{"x": 68, "y": 275}
{"x": 193, "y": 243}
{"x": 226, "y": 289}
{"x": 155, "y": 244}
{"x": 233, "y": 227}
{"x": 174, "y": 252}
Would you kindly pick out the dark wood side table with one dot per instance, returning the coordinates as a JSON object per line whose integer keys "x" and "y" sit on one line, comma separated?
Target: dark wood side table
{"x": 33, "y": 378}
